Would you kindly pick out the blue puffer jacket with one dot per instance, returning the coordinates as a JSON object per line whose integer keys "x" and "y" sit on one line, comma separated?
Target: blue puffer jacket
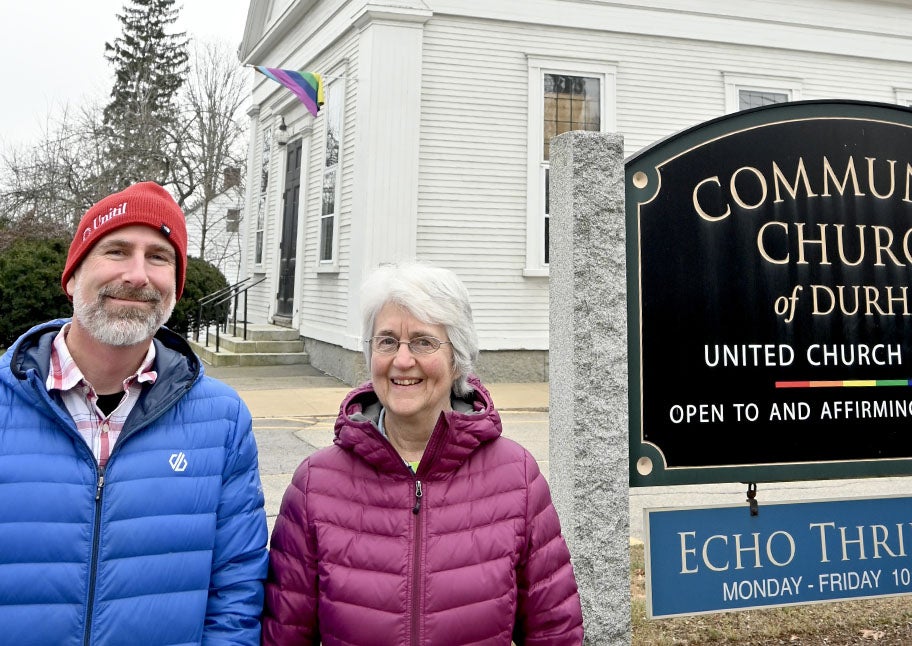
{"x": 166, "y": 546}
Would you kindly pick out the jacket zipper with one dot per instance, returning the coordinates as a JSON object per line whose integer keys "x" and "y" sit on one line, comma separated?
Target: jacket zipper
{"x": 99, "y": 492}
{"x": 96, "y": 535}
{"x": 418, "y": 494}
{"x": 416, "y": 566}
{"x": 93, "y": 562}
{"x": 96, "y": 538}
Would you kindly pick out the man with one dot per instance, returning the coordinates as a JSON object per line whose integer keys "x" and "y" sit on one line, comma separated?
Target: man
{"x": 131, "y": 510}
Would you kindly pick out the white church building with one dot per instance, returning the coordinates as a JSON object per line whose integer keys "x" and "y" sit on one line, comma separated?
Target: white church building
{"x": 433, "y": 140}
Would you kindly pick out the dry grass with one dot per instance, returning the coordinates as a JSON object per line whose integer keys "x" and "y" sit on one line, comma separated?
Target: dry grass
{"x": 875, "y": 622}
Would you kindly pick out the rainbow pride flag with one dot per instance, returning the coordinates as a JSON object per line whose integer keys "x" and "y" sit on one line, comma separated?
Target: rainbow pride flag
{"x": 307, "y": 86}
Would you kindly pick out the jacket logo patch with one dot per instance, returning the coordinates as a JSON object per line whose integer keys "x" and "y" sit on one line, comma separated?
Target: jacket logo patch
{"x": 178, "y": 462}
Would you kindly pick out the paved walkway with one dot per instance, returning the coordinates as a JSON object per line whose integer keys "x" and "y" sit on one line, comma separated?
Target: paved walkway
{"x": 291, "y": 391}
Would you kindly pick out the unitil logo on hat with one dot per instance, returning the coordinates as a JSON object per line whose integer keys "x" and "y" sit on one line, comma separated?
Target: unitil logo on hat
{"x": 100, "y": 220}
{"x": 113, "y": 212}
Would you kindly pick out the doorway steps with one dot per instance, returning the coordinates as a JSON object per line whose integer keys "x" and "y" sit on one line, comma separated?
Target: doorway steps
{"x": 266, "y": 345}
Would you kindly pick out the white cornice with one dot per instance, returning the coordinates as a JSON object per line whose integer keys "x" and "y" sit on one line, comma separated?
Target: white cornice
{"x": 372, "y": 13}
{"x": 882, "y": 36}
{"x": 252, "y": 49}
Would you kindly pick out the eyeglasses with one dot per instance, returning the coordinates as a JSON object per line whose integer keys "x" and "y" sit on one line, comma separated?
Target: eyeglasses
{"x": 417, "y": 345}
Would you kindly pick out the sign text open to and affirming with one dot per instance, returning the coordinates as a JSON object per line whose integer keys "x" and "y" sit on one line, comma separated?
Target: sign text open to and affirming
{"x": 770, "y": 297}
{"x": 712, "y": 559}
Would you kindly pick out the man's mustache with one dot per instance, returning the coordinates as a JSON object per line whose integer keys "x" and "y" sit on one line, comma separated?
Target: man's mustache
{"x": 123, "y": 292}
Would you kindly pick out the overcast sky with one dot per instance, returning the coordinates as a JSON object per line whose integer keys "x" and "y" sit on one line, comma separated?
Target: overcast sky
{"x": 52, "y": 53}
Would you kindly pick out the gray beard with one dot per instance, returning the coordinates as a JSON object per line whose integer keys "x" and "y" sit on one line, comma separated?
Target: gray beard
{"x": 122, "y": 325}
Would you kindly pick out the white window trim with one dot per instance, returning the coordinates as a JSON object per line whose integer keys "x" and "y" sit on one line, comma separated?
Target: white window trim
{"x": 336, "y": 78}
{"x": 535, "y": 194}
{"x": 263, "y": 197}
{"x": 903, "y": 96}
{"x": 734, "y": 83}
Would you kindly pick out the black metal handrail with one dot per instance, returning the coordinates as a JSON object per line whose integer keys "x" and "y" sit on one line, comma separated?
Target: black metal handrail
{"x": 206, "y": 303}
{"x": 213, "y": 301}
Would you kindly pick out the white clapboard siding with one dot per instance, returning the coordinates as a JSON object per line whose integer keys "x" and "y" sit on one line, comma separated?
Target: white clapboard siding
{"x": 671, "y": 59}
{"x": 693, "y": 71}
{"x": 472, "y": 192}
{"x": 856, "y": 27}
{"x": 324, "y": 296}
{"x": 317, "y": 41}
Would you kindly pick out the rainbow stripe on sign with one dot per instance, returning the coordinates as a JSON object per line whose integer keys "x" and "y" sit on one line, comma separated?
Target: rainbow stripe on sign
{"x": 846, "y": 383}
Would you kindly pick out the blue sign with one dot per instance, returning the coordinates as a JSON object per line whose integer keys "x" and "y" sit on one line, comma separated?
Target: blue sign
{"x": 713, "y": 559}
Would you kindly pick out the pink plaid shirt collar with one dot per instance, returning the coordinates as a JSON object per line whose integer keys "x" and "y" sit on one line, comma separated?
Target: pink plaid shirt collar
{"x": 99, "y": 430}
{"x": 65, "y": 375}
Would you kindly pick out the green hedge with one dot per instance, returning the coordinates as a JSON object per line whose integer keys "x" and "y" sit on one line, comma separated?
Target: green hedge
{"x": 203, "y": 278}
{"x": 30, "y": 290}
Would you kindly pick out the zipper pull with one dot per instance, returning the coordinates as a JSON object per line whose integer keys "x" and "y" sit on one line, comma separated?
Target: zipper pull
{"x": 99, "y": 487}
{"x": 418, "y": 494}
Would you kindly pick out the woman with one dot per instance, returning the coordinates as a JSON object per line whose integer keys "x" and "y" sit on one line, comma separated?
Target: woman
{"x": 421, "y": 525}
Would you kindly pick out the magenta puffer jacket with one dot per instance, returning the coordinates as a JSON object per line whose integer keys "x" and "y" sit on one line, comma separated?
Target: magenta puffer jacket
{"x": 466, "y": 551}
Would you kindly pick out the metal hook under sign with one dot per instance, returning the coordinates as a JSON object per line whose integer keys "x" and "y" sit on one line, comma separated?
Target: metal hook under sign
{"x": 752, "y": 498}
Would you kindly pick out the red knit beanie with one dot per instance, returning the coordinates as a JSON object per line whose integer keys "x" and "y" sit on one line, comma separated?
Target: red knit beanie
{"x": 144, "y": 203}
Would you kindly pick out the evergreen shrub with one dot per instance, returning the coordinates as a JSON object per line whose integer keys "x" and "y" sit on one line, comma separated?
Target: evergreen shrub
{"x": 30, "y": 290}
{"x": 203, "y": 278}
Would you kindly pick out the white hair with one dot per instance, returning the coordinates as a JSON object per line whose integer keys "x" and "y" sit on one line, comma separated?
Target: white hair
{"x": 432, "y": 295}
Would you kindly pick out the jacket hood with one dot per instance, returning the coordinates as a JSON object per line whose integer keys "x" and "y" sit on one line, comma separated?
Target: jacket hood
{"x": 458, "y": 433}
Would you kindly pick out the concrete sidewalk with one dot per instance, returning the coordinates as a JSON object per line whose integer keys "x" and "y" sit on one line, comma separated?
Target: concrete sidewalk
{"x": 303, "y": 391}
{"x": 292, "y": 401}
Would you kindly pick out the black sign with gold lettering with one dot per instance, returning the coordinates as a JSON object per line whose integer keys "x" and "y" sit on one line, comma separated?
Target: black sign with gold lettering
{"x": 770, "y": 297}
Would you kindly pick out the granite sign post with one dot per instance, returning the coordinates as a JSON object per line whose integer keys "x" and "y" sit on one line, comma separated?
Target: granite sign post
{"x": 588, "y": 375}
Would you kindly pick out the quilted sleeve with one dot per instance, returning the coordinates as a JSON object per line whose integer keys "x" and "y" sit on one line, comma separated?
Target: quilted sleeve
{"x": 290, "y": 615}
{"x": 239, "y": 560}
{"x": 548, "y": 611}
